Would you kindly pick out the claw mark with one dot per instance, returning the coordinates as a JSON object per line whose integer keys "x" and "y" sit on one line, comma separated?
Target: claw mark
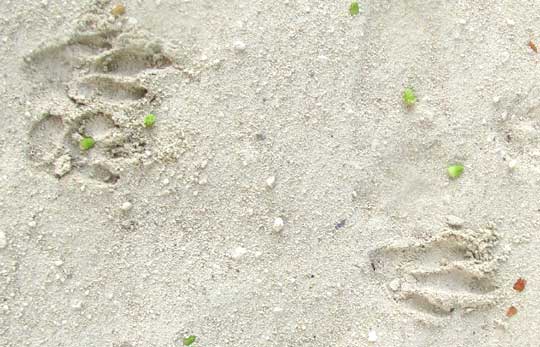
{"x": 98, "y": 87}
{"x": 132, "y": 60}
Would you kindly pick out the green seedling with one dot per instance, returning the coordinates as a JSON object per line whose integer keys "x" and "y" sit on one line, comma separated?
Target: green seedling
{"x": 354, "y": 9}
{"x": 409, "y": 97}
{"x": 149, "y": 120}
{"x": 87, "y": 143}
{"x": 189, "y": 340}
{"x": 454, "y": 171}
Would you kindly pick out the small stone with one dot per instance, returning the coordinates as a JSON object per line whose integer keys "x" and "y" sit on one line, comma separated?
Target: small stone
{"x": 32, "y": 224}
{"x": 454, "y": 221}
{"x": 238, "y": 252}
{"x": 395, "y": 284}
{"x": 239, "y": 46}
{"x": 510, "y": 22}
{"x": 372, "y": 336}
{"x": 278, "y": 224}
{"x": 58, "y": 263}
{"x": 512, "y": 164}
{"x": 126, "y": 206}
{"x": 270, "y": 182}
{"x": 3, "y": 240}
{"x": 496, "y": 99}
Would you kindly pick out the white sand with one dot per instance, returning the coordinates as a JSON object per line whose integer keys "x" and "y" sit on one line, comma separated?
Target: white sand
{"x": 285, "y": 196}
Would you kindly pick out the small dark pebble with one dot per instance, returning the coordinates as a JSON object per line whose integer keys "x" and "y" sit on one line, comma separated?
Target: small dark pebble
{"x": 341, "y": 224}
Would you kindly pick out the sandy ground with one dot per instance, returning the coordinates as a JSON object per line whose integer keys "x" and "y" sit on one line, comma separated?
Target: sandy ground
{"x": 285, "y": 195}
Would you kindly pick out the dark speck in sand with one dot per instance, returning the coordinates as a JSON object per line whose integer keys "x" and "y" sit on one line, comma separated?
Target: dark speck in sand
{"x": 341, "y": 224}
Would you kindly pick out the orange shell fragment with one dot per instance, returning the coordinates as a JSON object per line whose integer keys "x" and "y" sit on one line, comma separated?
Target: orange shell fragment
{"x": 512, "y": 311}
{"x": 520, "y": 284}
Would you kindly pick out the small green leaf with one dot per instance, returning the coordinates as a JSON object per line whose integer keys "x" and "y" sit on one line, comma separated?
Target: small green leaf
{"x": 149, "y": 120}
{"x": 409, "y": 97}
{"x": 354, "y": 9}
{"x": 86, "y": 143}
{"x": 454, "y": 171}
{"x": 189, "y": 340}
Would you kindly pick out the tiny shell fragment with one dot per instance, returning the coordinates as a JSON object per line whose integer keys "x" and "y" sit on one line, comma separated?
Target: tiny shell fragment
{"x": 512, "y": 311}
{"x": 118, "y": 10}
{"x": 520, "y": 284}
{"x": 533, "y": 47}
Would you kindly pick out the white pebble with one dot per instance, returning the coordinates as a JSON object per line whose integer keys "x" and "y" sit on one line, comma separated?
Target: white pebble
{"x": 372, "y": 336}
{"x": 512, "y": 164}
{"x": 3, "y": 240}
{"x": 454, "y": 221}
{"x": 278, "y": 224}
{"x": 238, "y": 252}
{"x": 126, "y": 206}
{"x": 239, "y": 46}
{"x": 32, "y": 224}
{"x": 270, "y": 181}
{"x": 395, "y": 284}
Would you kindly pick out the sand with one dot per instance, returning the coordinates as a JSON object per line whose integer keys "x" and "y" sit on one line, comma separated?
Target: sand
{"x": 285, "y": 195}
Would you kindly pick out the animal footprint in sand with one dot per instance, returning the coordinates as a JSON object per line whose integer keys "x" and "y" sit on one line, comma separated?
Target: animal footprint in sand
{"x": 54, "y": 145}
{"x": 452, "y": 272}
{"x": 518, "y": 126}
{"x": 100, "y": 66}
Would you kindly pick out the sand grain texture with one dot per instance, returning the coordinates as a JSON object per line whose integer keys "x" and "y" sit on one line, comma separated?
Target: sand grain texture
{"x": 285, "y": 195}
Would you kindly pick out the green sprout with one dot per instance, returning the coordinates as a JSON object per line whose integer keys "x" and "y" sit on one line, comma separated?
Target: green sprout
{"x": 354, "y": 9}
{"x": 86, "y": 143}
{"x": 454, "y": 171}
{"x": 149, "y": 120}
{"x": 409, "y": 97}
{"x": 189, "y": 340}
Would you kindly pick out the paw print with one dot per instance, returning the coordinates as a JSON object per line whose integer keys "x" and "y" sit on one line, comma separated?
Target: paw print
{"x": 455, "y": 271}
{"x": 100, "y": 67}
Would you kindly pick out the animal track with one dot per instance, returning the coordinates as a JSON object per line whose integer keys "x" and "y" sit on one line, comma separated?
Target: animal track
{"x": 104, "y": 89}
{"x": 54, "y": 145}
{"x": 132, "y": 60}
{"x": 519, "y": 125}
{"x": 452, "y": 272}
{"x": 101, "y": 66}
